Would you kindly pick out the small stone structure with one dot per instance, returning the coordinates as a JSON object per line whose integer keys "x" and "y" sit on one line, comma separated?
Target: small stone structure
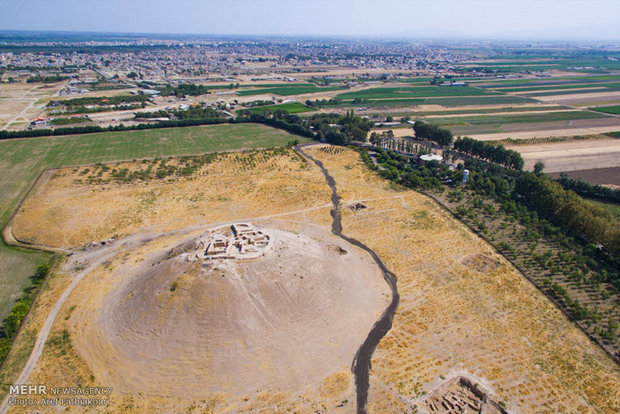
{"x": 243, "y": 241}
{"x": 460, "y": 395}
{"x": 357, "y": 206}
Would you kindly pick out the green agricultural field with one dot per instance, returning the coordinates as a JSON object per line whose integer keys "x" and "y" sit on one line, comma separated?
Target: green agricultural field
{"x": 460, "y": 101}
{"x": 517, "y": 118}
{"x": 595, "y": 65}
{"x": 23, "y": 160}
{"x": 484, "y": 111}
{"x": 613, "y": 109}
{"x": 414, "y": 92}
{"x": 548, "y": 81}
{"x": 286, "y": 90}
{"x": 291, "y": 107}
{"x": 447, "y": 101}
{"x": 559, "y": 87}
{"x": 584, "y": 90}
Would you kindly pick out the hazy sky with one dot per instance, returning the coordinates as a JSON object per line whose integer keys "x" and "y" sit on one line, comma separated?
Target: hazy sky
{"x": 522, "y": 19}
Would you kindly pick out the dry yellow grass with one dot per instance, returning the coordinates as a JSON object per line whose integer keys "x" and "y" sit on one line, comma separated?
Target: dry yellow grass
{"x": 495, "y": 326}
{"x": 283, "y": 191}
{"x": 60, "y": 213}
{"x": 491, "y": 324}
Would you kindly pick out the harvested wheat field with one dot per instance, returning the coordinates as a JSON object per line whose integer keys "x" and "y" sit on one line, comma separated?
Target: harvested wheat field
{"x": 172, "y": 332}
{"x": 571, "y": 155}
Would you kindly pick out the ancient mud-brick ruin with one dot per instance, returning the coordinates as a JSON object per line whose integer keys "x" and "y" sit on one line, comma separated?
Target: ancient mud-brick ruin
{"x": 243, "y": 241}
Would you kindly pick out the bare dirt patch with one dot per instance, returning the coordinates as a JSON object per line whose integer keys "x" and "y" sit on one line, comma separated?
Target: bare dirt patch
{"x": 480, "y": 262}
{"x": 602, "y": 176}
{"x": 571, "y": 155}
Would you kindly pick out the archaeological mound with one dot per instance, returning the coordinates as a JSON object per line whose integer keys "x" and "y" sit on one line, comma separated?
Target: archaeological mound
{"x": 239, "y": 308}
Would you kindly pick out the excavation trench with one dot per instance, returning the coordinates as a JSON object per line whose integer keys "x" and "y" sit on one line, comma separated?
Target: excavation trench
{"x": 361, "y": 362}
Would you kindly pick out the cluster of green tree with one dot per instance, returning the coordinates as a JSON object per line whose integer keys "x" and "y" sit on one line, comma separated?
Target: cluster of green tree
{"x": 319, "y": 103}
{"x": 491, "y": 179}
{"x": 183, "y": 89}
{"x": 68, "y": 121}
{"x": 567, "y": 209}
{"x": 72, "y": 110}
{"x": 589, "y": 190}
{"x": 257, "y": 103}
{"x": 407, "y": 170}
{"x": 99, "y": 100}
{"x": 340, "y": 129}
{"x": 46, "y": 79}
{"x": 493, "y": 153}
{"x": 432, "y": 132}
{"x": 333, "y": 128}
{"x": 378, "y": 138}
{"x": 558, "y": 292}
{"x": 162, "y": 113}
{"x": 436, "y": 80}
{"x": 11, "y": 324}
{"x": 196, "y": 112}
{"x": 278, "y": 119}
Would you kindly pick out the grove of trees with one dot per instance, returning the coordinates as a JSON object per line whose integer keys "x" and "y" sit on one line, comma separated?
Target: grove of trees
{"x": 433, "y": 132}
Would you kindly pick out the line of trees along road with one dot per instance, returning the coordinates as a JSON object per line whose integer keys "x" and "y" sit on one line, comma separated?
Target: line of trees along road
{"x": 497, "y": 154}
{"x": 489, "y": 152}
{"x": 589, "y": 190}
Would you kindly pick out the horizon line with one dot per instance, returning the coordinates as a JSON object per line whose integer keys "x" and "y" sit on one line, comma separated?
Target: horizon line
{"x": 455, "y": 38}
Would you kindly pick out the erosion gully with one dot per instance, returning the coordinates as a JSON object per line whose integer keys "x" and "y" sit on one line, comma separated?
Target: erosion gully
{"x": 361, "y": 363}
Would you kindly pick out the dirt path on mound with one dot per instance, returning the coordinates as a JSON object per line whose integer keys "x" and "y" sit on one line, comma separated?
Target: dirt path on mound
{"x": 361, "y": 362}
{"x": 37, "y": 351}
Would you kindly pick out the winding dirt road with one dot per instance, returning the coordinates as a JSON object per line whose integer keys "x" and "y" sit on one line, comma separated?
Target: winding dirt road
{"x": 37, "y": 351}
